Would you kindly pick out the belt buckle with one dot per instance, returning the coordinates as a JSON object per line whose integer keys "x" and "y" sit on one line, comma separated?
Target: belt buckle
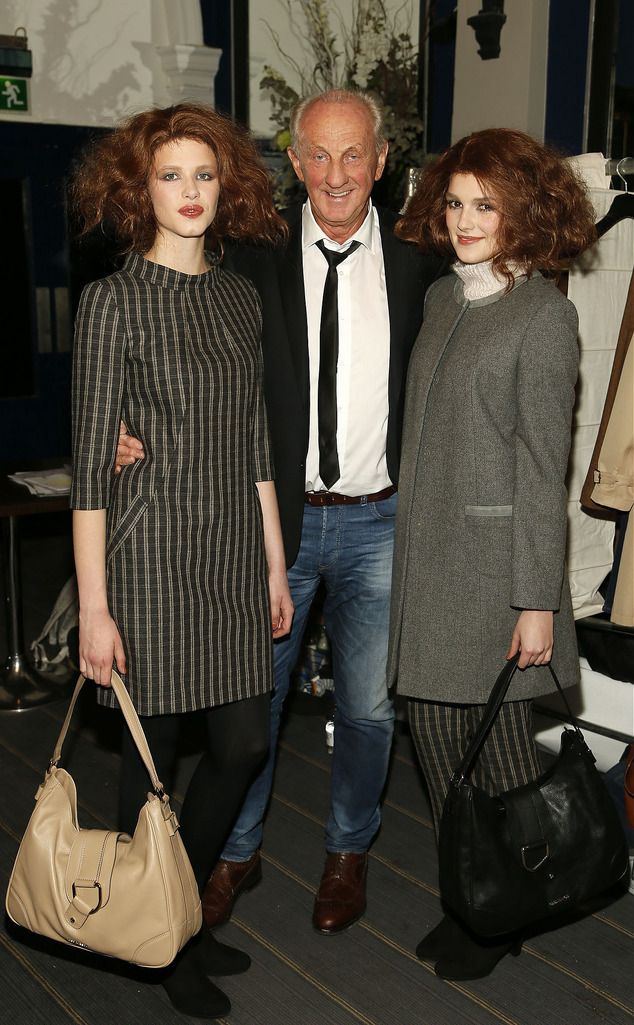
{"x": 320, "y": 498}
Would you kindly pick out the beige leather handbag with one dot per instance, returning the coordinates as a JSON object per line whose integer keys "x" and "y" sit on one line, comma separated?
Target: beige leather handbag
{"x": 131, "y": 897}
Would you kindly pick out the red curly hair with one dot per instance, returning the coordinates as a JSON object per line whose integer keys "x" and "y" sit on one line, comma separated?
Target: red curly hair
{"x": 110, "y": 185}
{"x": 546, "y": 216}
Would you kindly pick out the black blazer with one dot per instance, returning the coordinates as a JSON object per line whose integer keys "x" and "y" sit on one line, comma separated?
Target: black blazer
{"x": 279, "y": 278}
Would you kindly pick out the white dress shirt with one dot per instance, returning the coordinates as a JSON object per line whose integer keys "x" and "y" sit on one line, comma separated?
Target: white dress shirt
{"x": 364, "y": 356}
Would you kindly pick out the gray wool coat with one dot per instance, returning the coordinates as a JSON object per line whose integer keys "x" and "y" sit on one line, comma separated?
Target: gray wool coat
{"x": 481, "y": 521}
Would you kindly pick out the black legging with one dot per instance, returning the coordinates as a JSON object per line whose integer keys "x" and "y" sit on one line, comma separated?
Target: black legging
{"x": 237, "y": 738}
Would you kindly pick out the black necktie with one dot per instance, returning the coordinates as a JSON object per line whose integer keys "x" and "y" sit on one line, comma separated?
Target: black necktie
{"x": 328, "y": 355}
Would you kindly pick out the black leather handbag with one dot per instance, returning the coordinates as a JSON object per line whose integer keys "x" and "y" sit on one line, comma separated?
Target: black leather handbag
{"x": 529, "y": 853}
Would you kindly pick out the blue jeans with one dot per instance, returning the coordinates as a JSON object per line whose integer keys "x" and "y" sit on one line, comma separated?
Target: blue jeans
{"x": 350, "y": 549}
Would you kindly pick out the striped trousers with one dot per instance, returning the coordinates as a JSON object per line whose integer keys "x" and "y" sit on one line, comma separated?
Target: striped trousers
{"x": 442, "y": 733}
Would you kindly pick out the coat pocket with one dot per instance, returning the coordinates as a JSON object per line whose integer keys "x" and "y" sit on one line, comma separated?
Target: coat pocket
{"x": 126, "y": 524}
{"x": 489, "y": 529}
{"x": 488, "y": 510}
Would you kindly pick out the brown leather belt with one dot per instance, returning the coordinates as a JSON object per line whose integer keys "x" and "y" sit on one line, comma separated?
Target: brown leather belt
{"x": 332, "y": 498}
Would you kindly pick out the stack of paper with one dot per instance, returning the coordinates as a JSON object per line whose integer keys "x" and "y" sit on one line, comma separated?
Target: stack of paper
{"x": 45, "y": 482}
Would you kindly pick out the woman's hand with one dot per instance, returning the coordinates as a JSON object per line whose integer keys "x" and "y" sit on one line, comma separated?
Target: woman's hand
{"x": 533, "y": 638}
{"x": 279, "y": 595}
{"x": 99, "y": 646}
{"x": 129, "y": 449}
{"x": 282, "y": 607}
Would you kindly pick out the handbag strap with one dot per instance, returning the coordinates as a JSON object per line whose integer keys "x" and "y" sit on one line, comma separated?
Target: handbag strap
{"x": 132, "y": 722}
{"x": 491, "y": 710}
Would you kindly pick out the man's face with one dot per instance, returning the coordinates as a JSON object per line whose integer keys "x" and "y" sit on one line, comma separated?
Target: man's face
{"x": 338, "y": 163}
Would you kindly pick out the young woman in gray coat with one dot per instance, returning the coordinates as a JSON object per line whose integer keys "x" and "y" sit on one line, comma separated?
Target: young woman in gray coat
{"x": 481, "y": 526}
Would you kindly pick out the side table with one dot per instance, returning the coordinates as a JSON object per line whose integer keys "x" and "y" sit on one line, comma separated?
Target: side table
{"x": 21, "y": 686}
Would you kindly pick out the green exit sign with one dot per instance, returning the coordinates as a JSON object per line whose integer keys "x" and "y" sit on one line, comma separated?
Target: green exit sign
{"x": 13, "y": 95}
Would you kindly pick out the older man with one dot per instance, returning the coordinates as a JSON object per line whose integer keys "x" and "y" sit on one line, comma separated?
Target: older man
{"x": 342, "y": 305}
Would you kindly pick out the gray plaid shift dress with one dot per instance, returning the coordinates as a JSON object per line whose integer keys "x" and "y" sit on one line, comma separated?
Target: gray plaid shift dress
{"x": 177, "y": 357}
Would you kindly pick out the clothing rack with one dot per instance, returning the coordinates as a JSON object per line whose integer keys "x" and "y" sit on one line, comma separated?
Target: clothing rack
{"x": 622, "y": 167}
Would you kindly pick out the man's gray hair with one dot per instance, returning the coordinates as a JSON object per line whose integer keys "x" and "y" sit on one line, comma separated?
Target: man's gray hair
{"x": 367, "y": 100}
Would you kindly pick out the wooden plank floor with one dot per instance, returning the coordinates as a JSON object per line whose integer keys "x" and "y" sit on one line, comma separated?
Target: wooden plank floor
{"x": 580, "y": 974}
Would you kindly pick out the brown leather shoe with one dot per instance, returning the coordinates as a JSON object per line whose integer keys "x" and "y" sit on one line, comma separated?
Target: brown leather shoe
{"x": 340, "y": 900}
{"x": 227, "y": 881}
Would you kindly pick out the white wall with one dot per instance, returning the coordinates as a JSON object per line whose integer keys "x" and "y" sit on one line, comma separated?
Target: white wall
{"x": 262, "y": 48}
{"x": 95, "y": 61}
{"x": 510, "y": 91}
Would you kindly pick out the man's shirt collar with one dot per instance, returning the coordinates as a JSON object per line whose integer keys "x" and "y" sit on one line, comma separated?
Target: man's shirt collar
{"x": 312, "y": 233}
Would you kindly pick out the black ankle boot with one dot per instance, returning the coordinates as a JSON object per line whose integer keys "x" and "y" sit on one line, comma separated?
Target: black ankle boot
{"x": 440, "y": 941}
{"x": 189, "y": 989}
{"x": 217, "y": 958}
{"x": 474, "y": 957}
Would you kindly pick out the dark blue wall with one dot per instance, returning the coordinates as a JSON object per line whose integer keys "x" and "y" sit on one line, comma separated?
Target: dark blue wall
{"x": 625, "y": 52}
{"x": 38, "y": 425}
{"x": 442, "y": 55}
{"x": 216, "y": 17}
{"x": 226, "y": 25}
{"x": 566, "y": 81}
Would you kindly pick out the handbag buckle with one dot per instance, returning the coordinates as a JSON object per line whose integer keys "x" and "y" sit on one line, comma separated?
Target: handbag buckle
{"x": 88, "y": 886}
{"x": 533, "y": 849}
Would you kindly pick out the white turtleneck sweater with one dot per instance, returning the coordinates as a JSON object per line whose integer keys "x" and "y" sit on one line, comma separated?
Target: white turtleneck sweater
{"x": 480, "y": 280}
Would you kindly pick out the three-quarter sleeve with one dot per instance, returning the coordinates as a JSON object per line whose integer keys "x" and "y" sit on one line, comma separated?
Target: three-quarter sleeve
{"x": 546, "y": 377}
{"x": 97, "y": 391}
{"x": 262, "y": 452}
